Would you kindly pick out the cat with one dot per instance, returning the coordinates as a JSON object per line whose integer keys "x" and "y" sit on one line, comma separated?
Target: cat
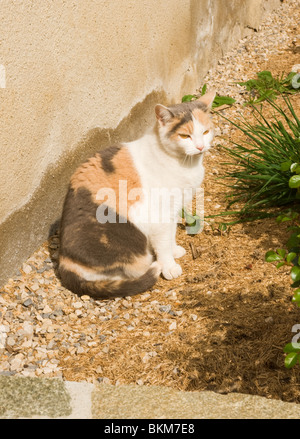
{"x": 108, "y": 245}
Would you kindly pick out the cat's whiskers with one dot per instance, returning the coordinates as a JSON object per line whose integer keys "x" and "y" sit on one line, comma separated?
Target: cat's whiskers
{"x": 185, "y": 161}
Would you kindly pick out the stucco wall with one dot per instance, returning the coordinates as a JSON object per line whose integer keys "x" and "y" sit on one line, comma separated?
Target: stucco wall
{"x": 79, "y": 74}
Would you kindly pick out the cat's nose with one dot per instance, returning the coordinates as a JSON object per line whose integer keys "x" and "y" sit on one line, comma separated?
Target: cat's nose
{"x": 200, "y": 148}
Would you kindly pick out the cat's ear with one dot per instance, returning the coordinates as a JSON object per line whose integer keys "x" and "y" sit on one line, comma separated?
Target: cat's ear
{"x": 208, "y": 99}
{"x": 163, "y": 114}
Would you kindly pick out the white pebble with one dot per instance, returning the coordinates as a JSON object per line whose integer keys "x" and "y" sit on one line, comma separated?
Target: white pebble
{"x": 3, "y": 337}
{"x": 47, "y": 310}
{"x": 4, "y": 328}
{"x": 77, "y": 305}
{"x": 172, "y": 326}
{"x": 145, "y": 358}
{"x": 10, "y": 341}
{"x": 27, "y": 329}
{"x": 26, "y": 268}
{"x": 16, "y": 363}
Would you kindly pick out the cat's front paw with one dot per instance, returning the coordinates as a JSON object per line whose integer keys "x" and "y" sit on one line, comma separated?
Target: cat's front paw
{"x": 178, "y": 251}
{"x": 172, "y": 271}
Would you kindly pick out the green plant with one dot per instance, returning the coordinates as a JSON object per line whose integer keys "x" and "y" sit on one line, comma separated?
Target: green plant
{"x": 264, "y": 163}
{"x": 293, "y": 355}
{"x": 290, "y": 257}
{"x": 267, "y": 175}
{"x": 268, "y": 87}
{"x": 218, "y": 101}
{"x": 192, "y": 221}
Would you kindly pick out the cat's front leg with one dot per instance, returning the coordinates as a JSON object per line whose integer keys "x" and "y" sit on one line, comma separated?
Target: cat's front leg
{"x": 178, "y": 251}
{"x": 171, "y": 271}
{"x": 163, "y": 242}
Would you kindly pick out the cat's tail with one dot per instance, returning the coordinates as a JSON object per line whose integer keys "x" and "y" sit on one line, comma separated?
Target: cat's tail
{"x": 109, "y": 289}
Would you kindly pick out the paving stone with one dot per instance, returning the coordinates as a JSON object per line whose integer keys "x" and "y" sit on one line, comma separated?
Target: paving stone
{"x": 28, "y": 397}
{"x": 156, "y": 402}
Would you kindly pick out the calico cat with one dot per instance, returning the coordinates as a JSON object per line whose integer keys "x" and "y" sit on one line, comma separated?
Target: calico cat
{"x": 110, "y": 245}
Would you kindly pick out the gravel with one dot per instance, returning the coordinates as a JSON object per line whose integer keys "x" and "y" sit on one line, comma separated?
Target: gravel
{"x": 41, "y": 322}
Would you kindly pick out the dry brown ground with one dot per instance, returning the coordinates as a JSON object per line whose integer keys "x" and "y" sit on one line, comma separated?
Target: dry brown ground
{"x": 237, "y": 311}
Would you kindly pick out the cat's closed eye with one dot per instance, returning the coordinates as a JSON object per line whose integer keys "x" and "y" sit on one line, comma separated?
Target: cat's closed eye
{"x": 184, "y": 136}
{"x": 206, "y": 132}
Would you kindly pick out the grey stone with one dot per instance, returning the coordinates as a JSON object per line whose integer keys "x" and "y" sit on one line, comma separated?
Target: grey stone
{"x": 28, "y": 302}
{"x": 29, "y": 397}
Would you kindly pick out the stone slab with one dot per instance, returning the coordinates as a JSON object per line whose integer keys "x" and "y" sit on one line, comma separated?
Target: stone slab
{"x": 53, "y": 398}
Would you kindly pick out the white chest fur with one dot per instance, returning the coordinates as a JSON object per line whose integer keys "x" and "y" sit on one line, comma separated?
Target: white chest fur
{"x": 167, "y": 182}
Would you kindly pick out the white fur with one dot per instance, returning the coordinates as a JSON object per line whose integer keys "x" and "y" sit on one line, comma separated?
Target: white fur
{"x": 167, "y": 165}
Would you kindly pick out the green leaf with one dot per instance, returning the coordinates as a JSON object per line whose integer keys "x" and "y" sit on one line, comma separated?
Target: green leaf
{"x": 294, "y": 215}
{"x": 290, "y": 257}
{"x": 265, "y": 74}
{"x": 196, "y": 227}
{"x": 295, "y": 274}
{"x": 280, "y": 264}
{"x": 282, "y": 218}
{"x": 203, "y": 91}
{"x": 190, "y": 219}
{"x": 222, "y": 100}
{"x": 293, "y": 241}
{"x": 294, "y": 181}
{"x": 272, "y": 256}
{"x": 291, "y": 347}
{"x": 290, "y": 360}
{"x": 188, "y": 98}
{"x": 295, "y": 167}
{"x": 296, "y": 296}
{"x": 281, "y": 252}
{"x": 285, "y": 166}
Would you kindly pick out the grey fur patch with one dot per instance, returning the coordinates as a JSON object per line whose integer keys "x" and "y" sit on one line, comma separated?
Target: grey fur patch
{"x": 184, "y": 112}
{"x": 106, "y": 157}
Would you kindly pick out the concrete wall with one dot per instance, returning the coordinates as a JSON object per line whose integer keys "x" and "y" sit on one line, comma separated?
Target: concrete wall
{"x": 79, "y": 74}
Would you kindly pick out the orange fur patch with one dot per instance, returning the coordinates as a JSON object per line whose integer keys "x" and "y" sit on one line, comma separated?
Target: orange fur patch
{"x": 75, "y": 267}
{"x": 91, "y": 176}
{"x": 81, "y": 269}
{"x": 104, "y": 240}
{"x": 186, "y": 128}
{"x": 202, "y": 117}
{"x": 135, "y": 269}
{"x": 139, "y": 266}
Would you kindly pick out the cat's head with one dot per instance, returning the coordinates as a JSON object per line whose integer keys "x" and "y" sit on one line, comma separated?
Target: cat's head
{"x": 186, "y": 128}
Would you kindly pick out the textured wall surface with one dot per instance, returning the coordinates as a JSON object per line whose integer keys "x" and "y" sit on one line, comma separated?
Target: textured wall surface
{"x": 78, "y": 75}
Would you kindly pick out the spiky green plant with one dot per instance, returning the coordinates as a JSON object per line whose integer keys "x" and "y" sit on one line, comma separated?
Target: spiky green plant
{"x": 263, "y": 162}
